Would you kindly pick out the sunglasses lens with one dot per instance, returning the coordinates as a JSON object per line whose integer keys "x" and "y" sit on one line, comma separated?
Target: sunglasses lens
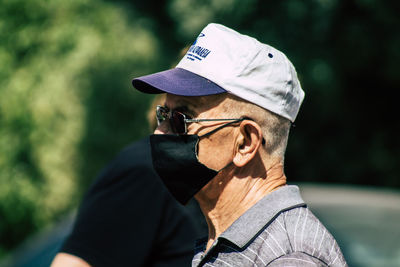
{"x": 178, "y": 122}
{"x": 161, "y": 114}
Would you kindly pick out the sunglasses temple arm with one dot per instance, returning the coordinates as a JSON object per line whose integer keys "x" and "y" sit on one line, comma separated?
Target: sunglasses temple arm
{"x": 200, "y": 120}
{"x": 222, "y": 126}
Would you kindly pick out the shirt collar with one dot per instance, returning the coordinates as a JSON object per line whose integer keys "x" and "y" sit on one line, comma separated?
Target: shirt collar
{"x": 260, "y": 215}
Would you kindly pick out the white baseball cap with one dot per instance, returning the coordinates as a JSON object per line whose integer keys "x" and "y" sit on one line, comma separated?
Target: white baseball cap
{"x": 222, "y": 60}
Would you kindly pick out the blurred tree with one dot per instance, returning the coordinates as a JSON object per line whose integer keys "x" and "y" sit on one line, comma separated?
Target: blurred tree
{"x": 66, "y": 103}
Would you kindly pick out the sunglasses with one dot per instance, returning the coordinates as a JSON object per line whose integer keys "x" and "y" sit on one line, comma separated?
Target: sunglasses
{"x": 178, "y": 121}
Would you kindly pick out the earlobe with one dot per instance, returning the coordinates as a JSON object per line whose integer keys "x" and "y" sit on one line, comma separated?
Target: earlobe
{"x": 240, "y": 160}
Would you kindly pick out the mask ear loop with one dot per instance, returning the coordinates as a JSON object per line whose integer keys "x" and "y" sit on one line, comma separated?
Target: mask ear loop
{"x": 222, "y": 126}
{"x": 218, "y": 128}
{"x": 232, "y": 122}
{"x": 213, "y": 131}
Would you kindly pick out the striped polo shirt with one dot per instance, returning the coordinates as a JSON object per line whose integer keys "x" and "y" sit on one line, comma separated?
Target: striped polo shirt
{"x": 279, "y": 230}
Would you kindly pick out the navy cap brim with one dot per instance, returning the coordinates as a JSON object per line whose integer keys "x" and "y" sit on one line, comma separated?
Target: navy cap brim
{"x": 177, "y": 81}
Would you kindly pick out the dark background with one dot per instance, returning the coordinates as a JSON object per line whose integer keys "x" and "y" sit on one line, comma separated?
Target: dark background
{"x": 346, "y": 53}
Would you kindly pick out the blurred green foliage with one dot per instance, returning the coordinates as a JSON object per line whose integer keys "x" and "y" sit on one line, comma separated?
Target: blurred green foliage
{"x": 66, "y": 105}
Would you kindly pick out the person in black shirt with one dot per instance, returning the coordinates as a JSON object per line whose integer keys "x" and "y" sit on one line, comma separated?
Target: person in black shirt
{"x": 128, "y": 218}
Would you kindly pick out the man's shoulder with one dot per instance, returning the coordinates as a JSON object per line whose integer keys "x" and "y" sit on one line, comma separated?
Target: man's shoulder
{"x": 298, "y": 235}
{"x": 297, "y": 259}
{"x": 294, "y": 237}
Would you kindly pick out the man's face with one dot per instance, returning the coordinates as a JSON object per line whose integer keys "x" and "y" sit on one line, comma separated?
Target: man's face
{"x": 215, "y": 150}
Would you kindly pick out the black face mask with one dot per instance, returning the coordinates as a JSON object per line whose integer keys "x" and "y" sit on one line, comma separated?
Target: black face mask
{"x": 175, "y": 160}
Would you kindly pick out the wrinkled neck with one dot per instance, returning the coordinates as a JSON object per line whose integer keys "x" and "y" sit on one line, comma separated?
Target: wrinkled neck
{"x": 232, "y": 192}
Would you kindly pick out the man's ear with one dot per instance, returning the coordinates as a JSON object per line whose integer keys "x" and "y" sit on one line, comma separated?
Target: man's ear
{"x": 248, "y": 142}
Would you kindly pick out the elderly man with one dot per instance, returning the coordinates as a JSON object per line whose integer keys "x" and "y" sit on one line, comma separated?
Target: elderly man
{"x": 221, "y": 138}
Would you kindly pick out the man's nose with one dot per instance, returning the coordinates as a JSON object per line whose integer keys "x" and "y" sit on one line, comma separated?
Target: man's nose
{"x": 163, "y": 128}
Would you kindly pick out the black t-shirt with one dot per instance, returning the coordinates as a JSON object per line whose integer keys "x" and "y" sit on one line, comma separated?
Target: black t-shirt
{"x": 128, "y": 218}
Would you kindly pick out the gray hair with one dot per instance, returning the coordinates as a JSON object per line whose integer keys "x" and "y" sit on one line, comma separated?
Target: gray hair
{"x": 275, "y": 128}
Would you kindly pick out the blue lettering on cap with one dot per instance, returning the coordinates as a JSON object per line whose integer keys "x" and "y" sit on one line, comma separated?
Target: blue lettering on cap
{"x": 197, "y": 52}
{"x": 200, "y": 35}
